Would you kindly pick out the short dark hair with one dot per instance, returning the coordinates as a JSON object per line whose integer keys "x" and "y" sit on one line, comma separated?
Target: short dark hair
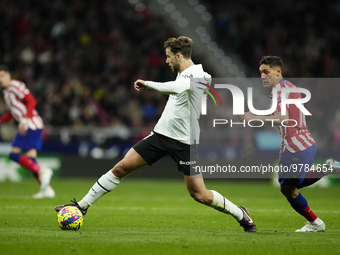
{"x": 4, "y": 68}
{"x": 181, "y": 44}
{"x": 271, "y": 61}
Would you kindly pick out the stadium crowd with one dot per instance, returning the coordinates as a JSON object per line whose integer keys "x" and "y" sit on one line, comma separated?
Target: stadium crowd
{"x": 80, "y": 59}
{"x": 304, "y": 34}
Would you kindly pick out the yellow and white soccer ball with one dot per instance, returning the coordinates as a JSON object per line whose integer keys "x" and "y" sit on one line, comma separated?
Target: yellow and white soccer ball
{"x": 70, "y": 218}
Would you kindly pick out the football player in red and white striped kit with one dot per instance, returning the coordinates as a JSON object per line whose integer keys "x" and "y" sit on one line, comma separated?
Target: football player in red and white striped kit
{"x": 297, "y": 147}
{"x": 21, "y": 106}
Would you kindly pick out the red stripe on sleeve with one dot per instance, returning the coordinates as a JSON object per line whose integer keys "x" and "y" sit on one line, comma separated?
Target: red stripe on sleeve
{"x": 30, "y": 104}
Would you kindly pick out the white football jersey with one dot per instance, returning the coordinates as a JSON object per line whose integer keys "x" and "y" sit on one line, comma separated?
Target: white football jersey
{"x": 181, "y": 114}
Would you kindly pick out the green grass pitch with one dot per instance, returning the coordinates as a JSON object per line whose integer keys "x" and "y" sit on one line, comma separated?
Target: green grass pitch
{"x": 159, "y": 217}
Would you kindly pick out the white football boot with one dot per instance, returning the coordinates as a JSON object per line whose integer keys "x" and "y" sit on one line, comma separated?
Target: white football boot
{"x": 45, "y": 176}
{"x": 315, "y": 226}
{"x": 333, "y": 166}
{"x": 47, "y": 193}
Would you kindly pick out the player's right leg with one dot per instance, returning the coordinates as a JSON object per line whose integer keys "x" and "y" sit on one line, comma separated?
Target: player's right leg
{"x": 331, "y": 166}
{"x": 147, "y": 151}
{"x": 109, "y": 181}
{"x": 212, "y": 198}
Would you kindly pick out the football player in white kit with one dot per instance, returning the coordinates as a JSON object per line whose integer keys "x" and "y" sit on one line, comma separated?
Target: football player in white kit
{"x": 175, "y": 134}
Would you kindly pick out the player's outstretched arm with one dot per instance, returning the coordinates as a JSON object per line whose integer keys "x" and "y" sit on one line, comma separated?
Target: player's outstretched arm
{"x": 170, "y": 87}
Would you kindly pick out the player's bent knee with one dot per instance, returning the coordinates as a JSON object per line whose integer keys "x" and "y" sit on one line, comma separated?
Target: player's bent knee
{"x": 119, "y": 170}
{"x": 199, "y": 197}
{"x": 288, "y": 191}
{"x": 123, "y": 168}
{"x": 283, "y": 190}
{"x": 196, "y": 197}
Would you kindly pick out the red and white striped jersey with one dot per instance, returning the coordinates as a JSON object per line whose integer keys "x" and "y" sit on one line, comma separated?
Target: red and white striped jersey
{"x": 21, "y": 104}
{"x": 294, "y": 138}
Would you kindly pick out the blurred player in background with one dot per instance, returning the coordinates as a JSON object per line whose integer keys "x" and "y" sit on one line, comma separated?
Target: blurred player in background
{"x": 297, "y": 148}
{"x": 21, "y": 106}
{"x": 176, "y": 134}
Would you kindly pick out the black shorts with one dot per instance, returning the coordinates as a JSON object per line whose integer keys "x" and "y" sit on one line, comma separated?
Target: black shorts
{"x": 155, "y": 146}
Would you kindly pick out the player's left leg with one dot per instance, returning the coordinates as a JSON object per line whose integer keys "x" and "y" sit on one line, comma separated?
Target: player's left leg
{"x": 43, "y": 176}
{"x": 30, "y": 162}
{"x": 187, "y": 159}
{"x": 25, "y": 161}
{"x": 299, "y": 203}
{"x": 291, "y": 177}
{"x": 30, "y": 142}
{"x": 212, "y": 198}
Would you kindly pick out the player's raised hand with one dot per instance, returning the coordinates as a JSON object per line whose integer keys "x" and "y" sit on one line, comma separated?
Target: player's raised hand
{"x": 140, "y": 85}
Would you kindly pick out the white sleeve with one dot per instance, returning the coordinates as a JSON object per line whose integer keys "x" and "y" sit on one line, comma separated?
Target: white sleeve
{"x": 171, "y": 87}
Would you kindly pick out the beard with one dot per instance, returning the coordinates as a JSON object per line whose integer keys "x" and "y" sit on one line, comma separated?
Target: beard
{"x": 175, "y": 68}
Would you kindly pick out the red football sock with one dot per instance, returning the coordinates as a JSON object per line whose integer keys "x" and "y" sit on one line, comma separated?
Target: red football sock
{"x": 308, "y": 214}
{"x": 29, "y": 164}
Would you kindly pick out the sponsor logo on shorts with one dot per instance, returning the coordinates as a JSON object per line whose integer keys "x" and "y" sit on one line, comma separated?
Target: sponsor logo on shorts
{"x": 187, "y": 162}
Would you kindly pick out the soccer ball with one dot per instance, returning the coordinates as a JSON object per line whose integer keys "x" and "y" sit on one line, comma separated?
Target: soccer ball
{"x": 70, "y": 218}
